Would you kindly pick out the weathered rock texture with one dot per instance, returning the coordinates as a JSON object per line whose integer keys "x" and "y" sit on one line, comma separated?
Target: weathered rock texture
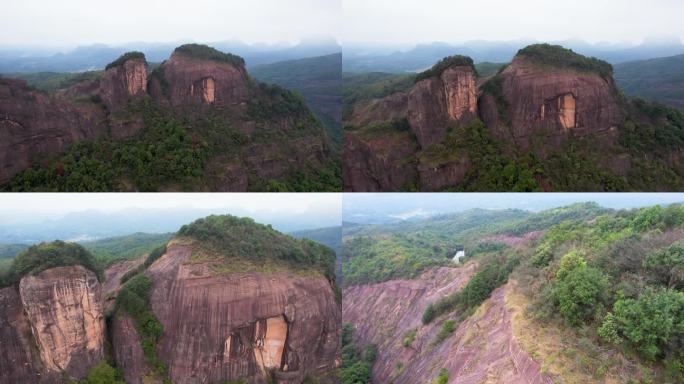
{"x": 224, "y": 327}
{"x": 436, "y": 103}
{"x": 378, "y": 164}
{"x": 191, "y": 81}
{"x": 392, "y": 107}
{"x": 482, "y": 349}
{"x": 51, "y": 326}
{"x": 64, "y": 308}
{"x": 121, "y": 83}
{"x": 32, "y": 123}
{"x": 127, "y": 350}
{"x": 553, "y": 104}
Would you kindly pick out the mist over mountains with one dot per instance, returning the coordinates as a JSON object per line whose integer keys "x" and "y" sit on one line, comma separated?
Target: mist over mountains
{"x": 97, "y": 56}
{"x": 367, "y": 57}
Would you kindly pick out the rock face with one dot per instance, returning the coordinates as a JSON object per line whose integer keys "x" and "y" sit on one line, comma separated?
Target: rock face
{"x": 192, "y": 81}
{"x": 64, "y": 308}
{"x": 554, "y": 104}
{"x": 225, "y": 327}
{"x": 127, "y": 350}
{"x": 436, "y": 103}
{"x": 51, "y": 325}
{"x": 378, "y": 164}
{"x": 32, "y": 123}
{"x": 123, "y": 82}
{"x": 481, "y": 349}
{"x": 391, "y": 107}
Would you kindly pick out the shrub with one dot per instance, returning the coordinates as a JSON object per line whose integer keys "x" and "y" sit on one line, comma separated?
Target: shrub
{"x": 667, "y": 265}
{"x": 442, "y": 377}
{"x": 409, "y": 338}
{"x": 580, "y": 293}
{"x": 568, "y": 262}
{"x": 444, "y": 64}
{"x": 103, "y": 373}
{"x": 448, "y": 328}
{"x": 651, "y": 323}
{"x": 124, "y": 58}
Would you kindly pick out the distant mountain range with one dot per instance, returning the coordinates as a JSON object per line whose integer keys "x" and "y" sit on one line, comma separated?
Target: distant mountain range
{"x": 92, "y": 57}
{"x": 659, "y": 79}
{"x": 370, "y": 58}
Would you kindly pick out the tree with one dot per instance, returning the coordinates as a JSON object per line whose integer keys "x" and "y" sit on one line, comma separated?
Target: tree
{"x": 667, "y": 265}
{"x": 103, "y": 373}
{"x": 653, "y": 323}
{"x": 568, "y": 262}
{"x": 579, "y": 293}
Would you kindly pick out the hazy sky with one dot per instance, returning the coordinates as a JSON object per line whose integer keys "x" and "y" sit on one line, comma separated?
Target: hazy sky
{"x": 364, "y": 207}
{"x": 321, "y": 209}
{"x": 410, "y": 21}
{"x": 73, "y": 22}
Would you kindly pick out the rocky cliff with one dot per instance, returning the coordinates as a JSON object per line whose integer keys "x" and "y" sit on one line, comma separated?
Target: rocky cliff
{"x": 228, "y": 326}
{"x": 481, "y": 349}
{"x": 52, "y": 325}
{"x": 251, "y": 135}
{"x": 33, "y": 124}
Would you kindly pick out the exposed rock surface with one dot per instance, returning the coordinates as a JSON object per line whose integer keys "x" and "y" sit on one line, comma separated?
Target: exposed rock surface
{"x": 392, "y": 107}
{"x": 64, "y": 308}
{"x": 224, "y": 327}
{"x": 482, "y": 349}
{"x": 51, "y": 325}
{"x": 383, "y": 163}
{"x": 193, "y": 81}
{"x": 32, "y": 123}
{"x": 123, "y": 82}
{"x": 127, "y": 350}
{"x": 436, "y": 103}
{"x": 554, "y": 103}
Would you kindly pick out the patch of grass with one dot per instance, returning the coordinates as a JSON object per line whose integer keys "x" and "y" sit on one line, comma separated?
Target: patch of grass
{"x": 409, "y": 338}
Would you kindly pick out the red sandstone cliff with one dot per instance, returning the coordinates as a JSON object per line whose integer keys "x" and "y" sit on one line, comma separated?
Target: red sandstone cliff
{"x": 51, "y": 325}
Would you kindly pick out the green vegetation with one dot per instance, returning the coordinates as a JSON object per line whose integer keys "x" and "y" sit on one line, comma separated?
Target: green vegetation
{"x": 409, "y": 338}
{"x": 356, "y": 367}
{"x": 660, "y": 79}
{"x": 53, "y": 81}
{"x": 102, "y": 373}
{"x": 124, "y": 58}
{"x": 580, "y": 292}
{"x": 151, "y": 258}
{"x": 8, "y": 251}
{"x": 444, "y": 64}
{"x": 112, "y": 249}
{"x": 134, "y": 299}
{"x": 317, "y": 79}
{"x": 485, "y": 69}
{"x": 559, "y": 57}
{"x": 204, "y": 52}
{"x": 40, "y": 257}
{"x": 357, "y": 88}
{"x": 489, "y": 277}
{"x": 448, "y": 327}
{"x": 652, "y": 128}
{"x": 234, "y": 237}
{"x": 494, "y": 88}
{"x": 442, "y": 377}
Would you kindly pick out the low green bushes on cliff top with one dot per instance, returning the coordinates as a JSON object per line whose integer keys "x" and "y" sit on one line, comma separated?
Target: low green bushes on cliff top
{"x": 244, "y": 238}
{"x": 124, "y": 58}
{"x": 200, "y": 51}
{"x": 557, "y": 56}
{"x": 40, "y": 257}
{"x": 444, "y": 64}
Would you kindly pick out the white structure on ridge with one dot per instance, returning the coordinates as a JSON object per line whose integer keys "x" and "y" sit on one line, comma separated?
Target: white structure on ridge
{"x": 458, "y": 256}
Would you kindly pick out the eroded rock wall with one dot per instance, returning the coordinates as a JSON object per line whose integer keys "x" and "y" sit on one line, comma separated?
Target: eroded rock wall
{"x": 64, "y": 307}
{"x": 122, "y": 83}
{"x": 32, "y": 123}
{"x": 219, "y": 328}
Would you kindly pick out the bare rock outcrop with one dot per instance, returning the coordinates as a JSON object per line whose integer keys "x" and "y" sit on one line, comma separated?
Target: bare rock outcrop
{"x": 123, "y": 82}
{"x": 191, "y": 80}
{"x": 221, "y": 327}
{"x": 126, "y": 348}
{"x": 392, "y": 107}
{"x": 436, "y": 103}
{"x": 553, "y": 104}
{"x": 481, "y": 349}
{"x": 64, "y": 307}
{"x": 33, "y": 123}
